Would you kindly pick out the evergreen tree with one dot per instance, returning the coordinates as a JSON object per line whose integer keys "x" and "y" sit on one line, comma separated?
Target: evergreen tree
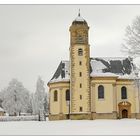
{"x": 39, "y": 97}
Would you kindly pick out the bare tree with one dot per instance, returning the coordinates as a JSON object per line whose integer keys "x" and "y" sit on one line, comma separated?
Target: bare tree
{"x": 131, "y": 45}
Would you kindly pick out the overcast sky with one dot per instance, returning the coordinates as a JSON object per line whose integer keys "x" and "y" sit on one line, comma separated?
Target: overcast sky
{"x": 35, "y": 38}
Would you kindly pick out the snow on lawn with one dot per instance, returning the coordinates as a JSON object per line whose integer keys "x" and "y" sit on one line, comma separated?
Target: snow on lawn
{"x": 68, "y": 127}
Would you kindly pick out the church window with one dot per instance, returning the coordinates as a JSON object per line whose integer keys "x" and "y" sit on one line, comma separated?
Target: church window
{"x": 55, "y": 95}
{"x": 81, "y": 109}
{"x": 80, "y": 85}
{"x": 80, "y": 74}
{"x": 80, "y": 97}
{"x": 80, "y": 62}
{"x": 67, "y": 95}
{"x": 124, "y": 92}
{"x": 100, "y": 92}
{"x": 80, "y": 52}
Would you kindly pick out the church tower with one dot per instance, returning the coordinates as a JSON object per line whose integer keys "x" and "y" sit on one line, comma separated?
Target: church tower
{"x": 79, "y": 69}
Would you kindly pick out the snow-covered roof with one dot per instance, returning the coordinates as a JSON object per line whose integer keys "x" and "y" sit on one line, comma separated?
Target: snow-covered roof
{"x": 116, "y": 65}
{"x": 120, "y": 67}
{"x": 126, "y": 76}
{"x": 99, "y": 74}
{"x": 62, "y": 73}
{"x": 1, "y": 109}
{"x": 79, "y": 20}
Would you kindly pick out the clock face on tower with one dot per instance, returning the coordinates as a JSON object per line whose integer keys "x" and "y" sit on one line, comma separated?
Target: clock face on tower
{"x": 79, "y": 39}
{"x": 79, "y": 35}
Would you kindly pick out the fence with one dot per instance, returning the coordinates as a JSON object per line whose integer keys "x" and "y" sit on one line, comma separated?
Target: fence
{"x": 19, "y": 118}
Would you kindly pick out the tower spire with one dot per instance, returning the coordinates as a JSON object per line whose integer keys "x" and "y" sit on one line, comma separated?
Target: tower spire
{"x": 79, "y": 13}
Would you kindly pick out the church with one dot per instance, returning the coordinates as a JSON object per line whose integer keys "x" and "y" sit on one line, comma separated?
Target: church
{"x": 89, "y": 88}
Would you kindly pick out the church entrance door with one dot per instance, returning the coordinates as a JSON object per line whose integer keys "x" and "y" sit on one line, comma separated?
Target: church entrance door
{"x": 124, "y": 113}
{"x": 124, "y": 109}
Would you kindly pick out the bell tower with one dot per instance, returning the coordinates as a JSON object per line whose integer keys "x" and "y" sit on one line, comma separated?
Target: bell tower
{"x": 79, "y": 68}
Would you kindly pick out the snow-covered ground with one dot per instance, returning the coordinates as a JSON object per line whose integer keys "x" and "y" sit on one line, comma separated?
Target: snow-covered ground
{"x": 78, "y": 127}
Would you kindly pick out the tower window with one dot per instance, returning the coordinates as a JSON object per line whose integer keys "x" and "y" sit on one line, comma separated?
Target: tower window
{"x": 67, "y": 95}
{"x": 80, "y": 62}
{"x": 100, "y": 92}
{"x": 80, "y": 52}
{"x": 124, "y": 93}
{"x": 80, "y": 85}
{"x": 80, "y": 74}
{"x": 55, "y": 95}
{"x": 80, "y": 109}
{"x": 80, "y": 97}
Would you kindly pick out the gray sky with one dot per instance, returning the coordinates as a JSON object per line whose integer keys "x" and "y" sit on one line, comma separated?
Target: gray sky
{"x": 35, "y": 38}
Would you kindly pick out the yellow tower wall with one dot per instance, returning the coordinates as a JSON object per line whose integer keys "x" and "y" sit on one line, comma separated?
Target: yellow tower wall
{"x": 76, "y": 91}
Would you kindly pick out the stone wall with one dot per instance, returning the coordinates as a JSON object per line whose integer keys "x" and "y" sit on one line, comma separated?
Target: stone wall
{"x": 58, "y": 117}
{"x": 80, "y": 116}
{"x": 103, "y": 116}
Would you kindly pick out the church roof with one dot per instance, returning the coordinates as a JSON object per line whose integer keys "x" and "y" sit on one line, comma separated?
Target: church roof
{"x": 79, "y": 20}
{"x": 115, "y": 66}
{"x": 120, "y": 67}
{"x": 1, "y": 109}
{"x": 62, "y": 73}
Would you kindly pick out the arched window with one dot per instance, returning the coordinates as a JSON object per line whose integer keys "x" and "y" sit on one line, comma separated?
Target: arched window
{"x": 80, "y": 52}
{"x": 67, "y": 95}
{"x": 100, "y": 92}
{"x": 124, "y": 93}
{"x": 55, "y": 95}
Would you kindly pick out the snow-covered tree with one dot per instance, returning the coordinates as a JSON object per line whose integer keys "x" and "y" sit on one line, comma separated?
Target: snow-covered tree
{"x": 30, "y": 106}
{"x": 39, "y": 97}
{"x": 131, "y": 45}
{"x": 1, "y": 98}
{"x": 15, "y": 98}
{"x": 46, "y": 105}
